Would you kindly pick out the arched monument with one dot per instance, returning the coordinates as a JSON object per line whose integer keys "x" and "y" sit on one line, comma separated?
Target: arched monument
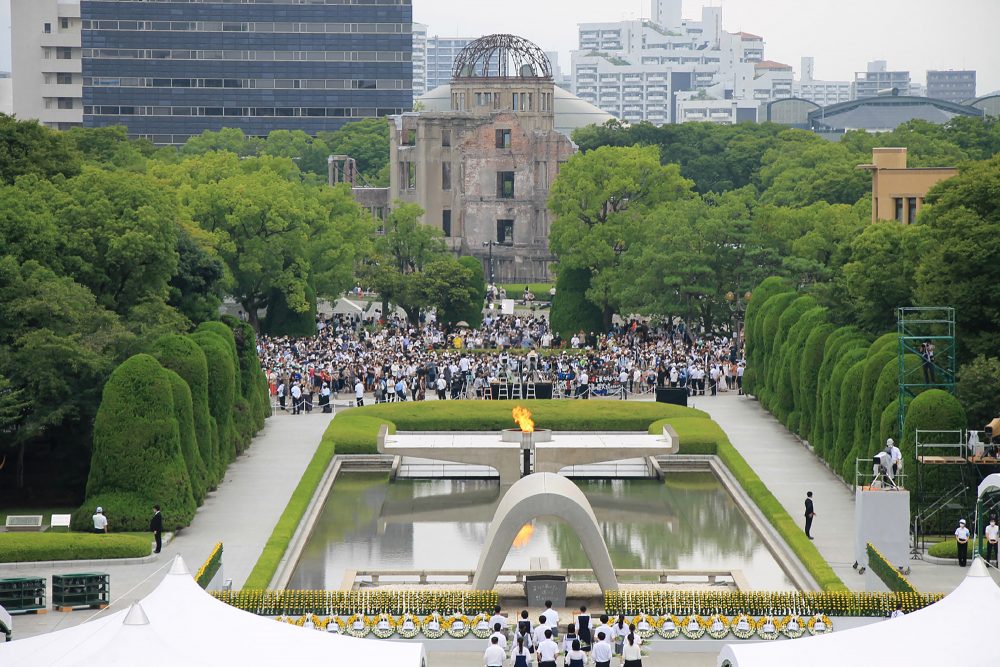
{"x": 537, "y": 495}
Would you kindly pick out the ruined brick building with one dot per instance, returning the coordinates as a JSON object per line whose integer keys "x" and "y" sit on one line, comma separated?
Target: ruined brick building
{"x": 482, "y": 170}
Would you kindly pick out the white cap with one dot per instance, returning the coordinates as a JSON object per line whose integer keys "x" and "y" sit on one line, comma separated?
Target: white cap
{"x": 961, "y": 520}
{"x": 889, "y": 442}
{"x": 100, "y": 509}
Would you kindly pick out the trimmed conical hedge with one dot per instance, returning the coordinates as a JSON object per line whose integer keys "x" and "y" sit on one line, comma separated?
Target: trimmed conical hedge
{"x": 221, "y": 392}
{"x": 189, "y": 443}
{"x": 137, "y": 459}
{"x": 183, "y": 356}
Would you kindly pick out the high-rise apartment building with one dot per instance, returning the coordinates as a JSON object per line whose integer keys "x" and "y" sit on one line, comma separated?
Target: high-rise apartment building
{"x": 635, "y": 70}
{"x": 820, "y": 92}
{"x": 172, "y": 69}
{"x": 951, "y": 85}
{"x": 419, "y": 59}
{"x": 47, "y": 76}
{"x": 878, "y": 78}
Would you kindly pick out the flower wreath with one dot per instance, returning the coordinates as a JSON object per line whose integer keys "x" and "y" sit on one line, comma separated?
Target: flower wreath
{"x": 693, "y": 626}
{"x": 717, "y": 626}
{"x": 358, "y": 626}
{"x": 407, "y": 626}
{"x": 433, "y": 626}
{"x": 669, "y": 626}
{"x": 645, "y": 625}
{"x": 822, "y": 620}
{"x": 748, "y": 630}
{"x": 384, "y": 626}
{"x": 481, "y": 626}
{"x": 458, "y": 626}
{"x": 793, "y": 626}
{"x": 768, "y": 627}
{"x": 334, "y": 625}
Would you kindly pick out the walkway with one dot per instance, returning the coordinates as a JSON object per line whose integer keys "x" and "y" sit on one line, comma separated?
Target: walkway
{"x": 241, "y": 514}
{"x": 789, "y": 469}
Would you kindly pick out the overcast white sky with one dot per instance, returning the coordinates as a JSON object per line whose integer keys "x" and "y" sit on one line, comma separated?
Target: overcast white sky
{"x": 843, "y": 35}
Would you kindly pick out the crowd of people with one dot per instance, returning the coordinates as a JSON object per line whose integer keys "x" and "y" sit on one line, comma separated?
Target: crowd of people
{"x": 586, "y": 640}
{"x": 397, "y": 361}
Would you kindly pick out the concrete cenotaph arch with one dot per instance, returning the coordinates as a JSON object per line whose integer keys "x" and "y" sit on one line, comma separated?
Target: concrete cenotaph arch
{"x": 537, "y": 495}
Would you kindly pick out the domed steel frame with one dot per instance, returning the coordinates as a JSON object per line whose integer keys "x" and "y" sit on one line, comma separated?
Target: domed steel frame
{"x": 505, "y": 54}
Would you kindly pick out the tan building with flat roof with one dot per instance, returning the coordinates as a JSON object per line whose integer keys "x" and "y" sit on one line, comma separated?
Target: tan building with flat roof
{"x": 897, "y": 191}
{"x": 482, "y": 170}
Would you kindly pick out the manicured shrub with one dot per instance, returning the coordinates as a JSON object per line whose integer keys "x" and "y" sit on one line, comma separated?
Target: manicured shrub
{"x": 979, "y": 389}
{"x": 283, "y": 321}
{"x": 787, "y": 379}
{"x": 847, "y": 405}
{"x": 812, "y": 359}
{"x": 822, "y": 420}
{"x": 864, "y": 412}
{"x": 887, "y": 342}
{"x": 753, "y": 325}
{"x": 888, "y": 425}
{"x": 225, "y": 333}
{"x": 33, "y": 547}
{"x": 137, "y": 459}
{"x": 886, "y": 391}
{"x": 766, "y": 326}
{"x": 780, "y": 380}
{"x": 572, "y": 311}
{"x": 182, "y": 355}
{"x": 473, "y": 314}
{"x": 243, "y": 421}
{"x": 948, "y": 548}
{"x": 189, "y": 443}
{"x": 932, "y": 410}
{"x": 252, "y": 379}
{"x": 852, "y": 351}
{"x": 221, "y": 393}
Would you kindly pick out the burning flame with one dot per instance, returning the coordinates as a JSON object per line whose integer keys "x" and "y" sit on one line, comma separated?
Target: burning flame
{"x": 523, "y": 418}
{"x": 523, "y": 536}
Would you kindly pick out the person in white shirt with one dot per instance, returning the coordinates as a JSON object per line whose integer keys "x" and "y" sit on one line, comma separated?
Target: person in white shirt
{"x": 296, "y": 399}
{"x": 494, "y": 656}
{"x": 100, "y": 521}
{"x": 992, "y": 538}
{"x": 442, "y": 386}
{"x": 584, "y": 385}
{"x": 523, "y": 631}
{"x": 962, "y": 537}
{"x": 551, "y": 617}
{"x": 631, "y": 652}
{"x": 521, "y": 654}
{"x": 623, "y": 381}
{"x": 540, "y": 631}
{"x": 359, "y": 392}
{"x": 602, "y": 652}
{"x": 497, "y": 617}
{"x": 548, "y": 651}
{"x": 604, "y": 629}
{"x": 898, "y": 611}
{"x": 498, "y": 636}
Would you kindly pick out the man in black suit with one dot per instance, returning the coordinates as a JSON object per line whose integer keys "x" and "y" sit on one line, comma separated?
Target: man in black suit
{"x": 810, "y": 513}
{"x": 156, "y": 525}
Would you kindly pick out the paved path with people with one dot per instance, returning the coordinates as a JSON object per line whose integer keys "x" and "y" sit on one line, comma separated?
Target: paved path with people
{"x": 240, "y": 513}
{"x": 789, "y": 469}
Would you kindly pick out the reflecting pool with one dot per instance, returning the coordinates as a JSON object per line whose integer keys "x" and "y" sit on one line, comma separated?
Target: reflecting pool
{"x": 688, "y": 522}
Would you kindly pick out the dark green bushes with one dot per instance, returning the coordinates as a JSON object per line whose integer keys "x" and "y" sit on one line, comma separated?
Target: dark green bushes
{"x": 571, "y": 310}
{"x": 137, "y": 459}
{"x": 169, "y": 424}
{"x": 283, "y": 321}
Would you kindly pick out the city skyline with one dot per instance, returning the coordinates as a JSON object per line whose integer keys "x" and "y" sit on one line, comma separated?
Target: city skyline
{"x": 936, "y": 37}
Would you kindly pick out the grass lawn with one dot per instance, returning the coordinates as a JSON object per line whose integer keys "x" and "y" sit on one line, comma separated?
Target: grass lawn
{"x": 516, "y": 290}
{"x": 354, "y": 432}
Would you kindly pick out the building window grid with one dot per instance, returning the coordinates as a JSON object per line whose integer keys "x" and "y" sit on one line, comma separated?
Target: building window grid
{"x": 246, "y": 26}
{"x": 258, "y": 112}
{"x": 255, "y": 84}
{"x": 244, "y": 55}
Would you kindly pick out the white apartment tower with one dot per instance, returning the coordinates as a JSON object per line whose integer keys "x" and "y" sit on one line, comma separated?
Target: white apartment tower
{"x": 823, "y": 93}
{"x": 636, "y": 70}
{"x": 47, "y": 67}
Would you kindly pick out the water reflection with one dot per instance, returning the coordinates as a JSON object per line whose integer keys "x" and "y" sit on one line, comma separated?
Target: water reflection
{"x": 689, "y": 522}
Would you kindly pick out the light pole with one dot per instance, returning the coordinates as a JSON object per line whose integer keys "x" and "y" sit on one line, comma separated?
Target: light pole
{"x": 489, "y": 244}
{"x": 738, "y": 306}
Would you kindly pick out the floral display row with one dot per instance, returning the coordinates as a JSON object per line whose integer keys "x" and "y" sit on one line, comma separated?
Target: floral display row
{"x": 763, "y": 603}
{"x": 364, "y": 602}
{"x": 667, "y": 626}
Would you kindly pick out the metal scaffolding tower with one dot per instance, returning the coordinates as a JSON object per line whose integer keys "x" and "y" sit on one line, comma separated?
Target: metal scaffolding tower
{"x": 928, "y": 333}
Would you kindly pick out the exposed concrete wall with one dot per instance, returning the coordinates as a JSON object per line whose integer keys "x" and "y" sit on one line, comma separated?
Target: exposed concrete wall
{"x": 543, "y": 494}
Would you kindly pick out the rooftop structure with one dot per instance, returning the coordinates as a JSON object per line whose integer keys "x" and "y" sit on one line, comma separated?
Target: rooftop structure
{"x": 886, "y": 113}
{"x": 951, "y": 85}
{"x": 898, "y": 191}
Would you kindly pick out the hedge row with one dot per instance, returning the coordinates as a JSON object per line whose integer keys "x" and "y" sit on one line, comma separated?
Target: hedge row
{"x": 890, "y": 576}
{"x": 355, "y": 432}
{"x": 170, "y": 422}
{"x": 834, "y": 386}
{"x": 33, "y": 547}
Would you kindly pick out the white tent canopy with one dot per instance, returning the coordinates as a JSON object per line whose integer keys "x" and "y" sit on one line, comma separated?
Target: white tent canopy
{"x": 925, "y": 637}
{"x": 180, "y": 624}
{"x": 991, "y": 483}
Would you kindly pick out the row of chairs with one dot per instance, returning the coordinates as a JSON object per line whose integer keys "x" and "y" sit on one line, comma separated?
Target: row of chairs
{"x": 507, "y": 391}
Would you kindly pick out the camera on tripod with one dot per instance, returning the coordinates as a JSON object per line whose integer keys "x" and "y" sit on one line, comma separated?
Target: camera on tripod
{"x": 882, "y": 471}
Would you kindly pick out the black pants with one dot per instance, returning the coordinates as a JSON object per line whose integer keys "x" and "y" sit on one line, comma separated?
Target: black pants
{"x": 281, "y": 402}
{"x": 442, "y": 395}
{"x": 158, "y": 536}
{"x": 360, "y": 401}
{"x": 809, "y": 525}
{"x": 963, "y": 553}
{"x": 603, "y": 664}
{"x": 991, "y": 551}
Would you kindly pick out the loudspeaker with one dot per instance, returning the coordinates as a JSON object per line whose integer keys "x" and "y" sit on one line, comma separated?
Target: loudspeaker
{"x": 672, "y": 395}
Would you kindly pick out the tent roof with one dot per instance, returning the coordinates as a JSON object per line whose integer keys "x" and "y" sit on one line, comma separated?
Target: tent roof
{"x": 929, "y": 635}
{"x": 184, "y": 625}
{"x": 991, "y": 483}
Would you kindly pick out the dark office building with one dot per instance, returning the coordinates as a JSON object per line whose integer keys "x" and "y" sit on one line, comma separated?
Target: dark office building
{"x": 951, "y": 85}
{"x": 172, "y": 69}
